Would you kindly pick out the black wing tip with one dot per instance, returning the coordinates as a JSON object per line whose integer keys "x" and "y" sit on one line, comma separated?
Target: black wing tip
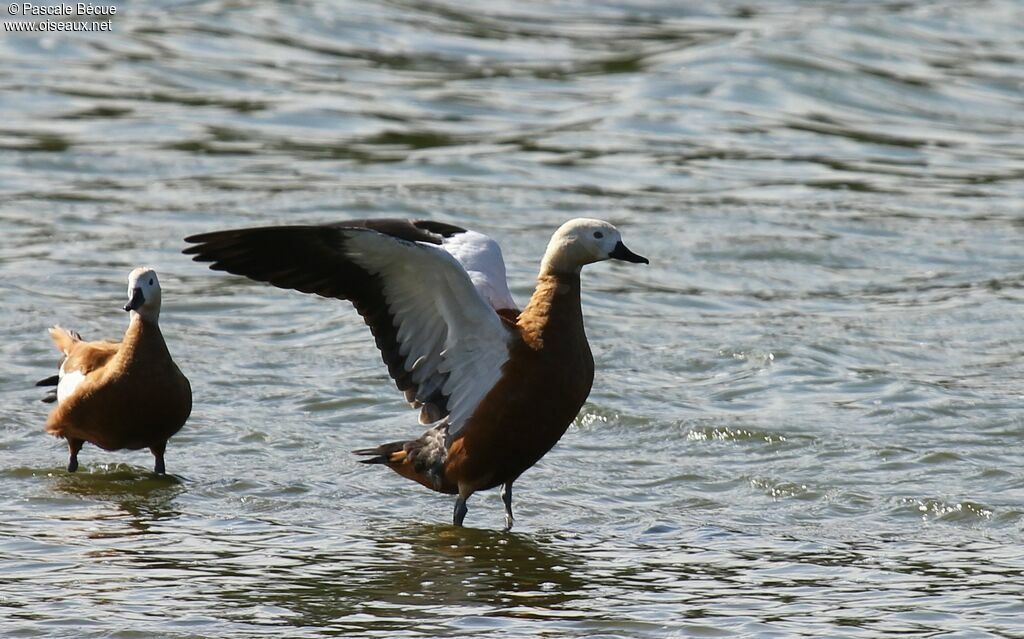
{"x": 400, "y": 228}
{"x": 51, "y": 396}
{"x": 211, "y": 236}
{"x": 200, "y": 243}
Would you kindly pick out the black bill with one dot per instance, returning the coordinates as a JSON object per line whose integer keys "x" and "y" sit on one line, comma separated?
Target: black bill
{"x": 620, "y": 252}
{"x": 136, "y": 301}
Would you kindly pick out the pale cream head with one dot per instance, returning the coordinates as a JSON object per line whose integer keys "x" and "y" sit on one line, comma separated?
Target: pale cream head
{"x": 143, "y": 293}
{"x": 584, "y": 241}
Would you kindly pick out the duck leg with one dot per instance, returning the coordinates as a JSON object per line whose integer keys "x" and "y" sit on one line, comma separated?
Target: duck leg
{"x": 74, "y": 445}
{"x": 158, "y": 453}
{"x": 506, "y": 496}
{"x": 460, "y": 511}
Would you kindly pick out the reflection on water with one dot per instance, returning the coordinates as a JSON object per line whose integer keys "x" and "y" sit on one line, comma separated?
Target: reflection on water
{"x": 136, "y": 501}
{"x": 410, "y": 576}
{"x": 806, "y": 418}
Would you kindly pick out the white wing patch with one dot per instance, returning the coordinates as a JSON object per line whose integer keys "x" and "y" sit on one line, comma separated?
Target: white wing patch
{"x": 67, "y": 383}
{"x": 481, "y": 257}
{"x": 449, "y": 335}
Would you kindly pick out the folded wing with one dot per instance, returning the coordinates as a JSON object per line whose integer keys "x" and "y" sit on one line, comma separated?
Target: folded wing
{"x": 80, "y": 359}
{"x": 440, "y": 337}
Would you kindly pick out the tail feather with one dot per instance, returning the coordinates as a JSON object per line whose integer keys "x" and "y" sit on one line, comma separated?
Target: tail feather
{"x": 393, "y": 453}
{"x": 421, "y": 460}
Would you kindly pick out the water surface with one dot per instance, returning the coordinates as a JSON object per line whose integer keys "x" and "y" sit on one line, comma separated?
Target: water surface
{"x": 807, "y": 416}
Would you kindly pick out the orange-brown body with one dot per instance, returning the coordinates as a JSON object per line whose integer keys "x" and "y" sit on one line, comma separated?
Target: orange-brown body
{"x": 133, "y": 395}
{"x": 543, "y": 386}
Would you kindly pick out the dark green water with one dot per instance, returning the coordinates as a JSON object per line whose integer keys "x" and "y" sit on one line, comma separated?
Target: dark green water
{"x": 807, "y": 418}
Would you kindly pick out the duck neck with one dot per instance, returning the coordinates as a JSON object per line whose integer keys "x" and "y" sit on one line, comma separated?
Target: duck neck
{"x": 143, "y": 333}
{"x": 554, "y": 307}
{"x": 560, "y": 257}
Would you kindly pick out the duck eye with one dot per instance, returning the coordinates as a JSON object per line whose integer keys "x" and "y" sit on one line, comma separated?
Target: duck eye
{"x": 151, "y": 281}
{"x": 598, "y": 234}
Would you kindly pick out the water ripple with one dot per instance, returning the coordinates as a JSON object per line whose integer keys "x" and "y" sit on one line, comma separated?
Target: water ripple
{"x": 806, "y": 415}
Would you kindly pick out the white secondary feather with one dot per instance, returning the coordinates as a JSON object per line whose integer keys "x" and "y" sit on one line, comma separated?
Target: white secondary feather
{"x": 481, "y": 257}
{"x": 67, "y": 382}
{"x": 445, "y": 325}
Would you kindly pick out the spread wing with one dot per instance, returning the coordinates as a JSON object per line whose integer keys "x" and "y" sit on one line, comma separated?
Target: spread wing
{"x": 442, "y": 340}
{"x": 481, "y": 257}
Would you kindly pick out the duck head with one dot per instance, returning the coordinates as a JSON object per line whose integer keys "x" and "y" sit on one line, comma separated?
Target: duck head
{"x": 143, "y": 293}
{"x": 585, "y": 241}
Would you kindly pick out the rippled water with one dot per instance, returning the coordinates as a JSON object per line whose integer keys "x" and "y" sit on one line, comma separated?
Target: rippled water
{"x": 807, "y": 413}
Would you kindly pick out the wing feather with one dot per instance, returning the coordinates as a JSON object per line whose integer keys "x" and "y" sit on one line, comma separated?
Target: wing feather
{"x": 443, "y": 317}
{"x": 80, "y": 359}
{"x": 437, "y": 329}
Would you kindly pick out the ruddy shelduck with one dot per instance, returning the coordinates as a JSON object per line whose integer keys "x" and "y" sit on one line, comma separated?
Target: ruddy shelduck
{"x": 116, "y": 395}
{"x": 498, "y": 386}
